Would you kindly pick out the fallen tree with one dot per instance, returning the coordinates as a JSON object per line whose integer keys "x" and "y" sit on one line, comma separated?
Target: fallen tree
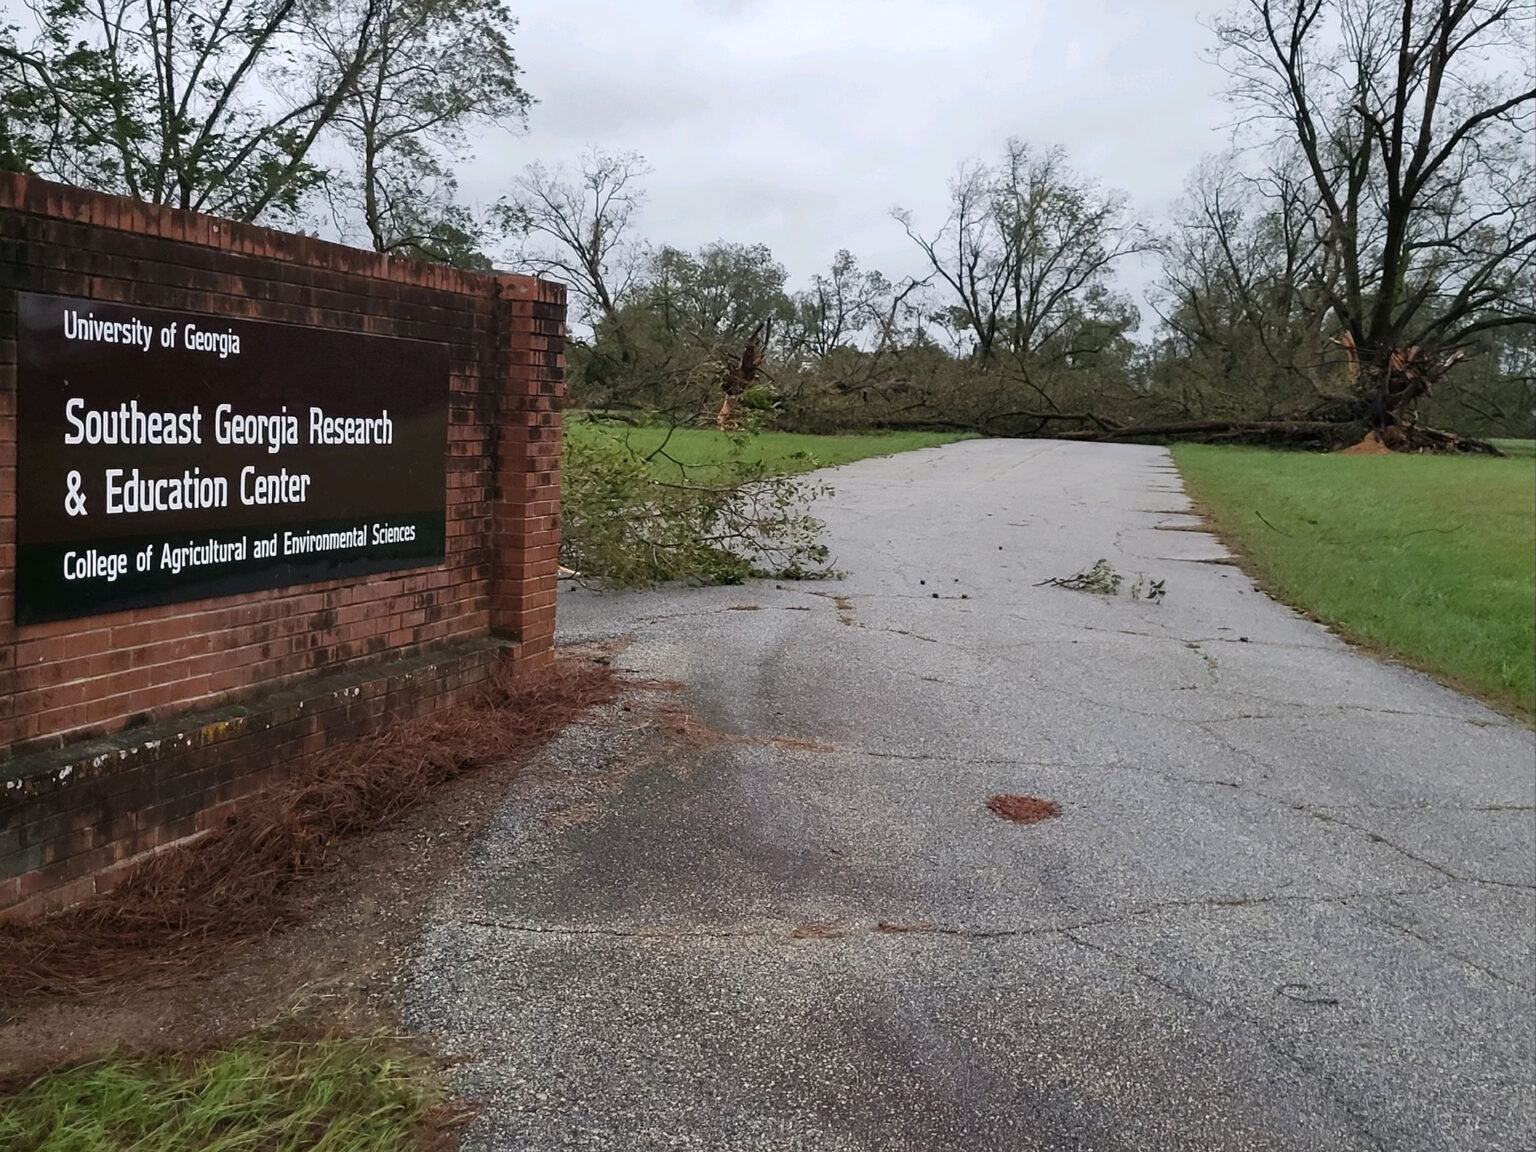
{"x": 1299, "y": 434}
{"x": 1313, "y": 429}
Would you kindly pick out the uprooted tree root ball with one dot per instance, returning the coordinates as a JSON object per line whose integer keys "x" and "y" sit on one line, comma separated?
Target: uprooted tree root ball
{"x": 234, "y": 884}
{"x": 1024, "y": 809}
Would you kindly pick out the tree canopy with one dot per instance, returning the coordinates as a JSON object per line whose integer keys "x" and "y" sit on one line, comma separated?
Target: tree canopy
{"x": 250, "y": 109}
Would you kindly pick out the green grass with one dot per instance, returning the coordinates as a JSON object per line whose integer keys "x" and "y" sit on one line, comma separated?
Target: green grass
{"x": 782, "y": 452}
{"x": 1516, "y": 447}
{"x": 1429, "y": 559}
{"x": 261, "y": 1095}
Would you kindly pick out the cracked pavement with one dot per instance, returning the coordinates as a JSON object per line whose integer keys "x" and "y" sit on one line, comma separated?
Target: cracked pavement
{"x": 1290, "y": 902}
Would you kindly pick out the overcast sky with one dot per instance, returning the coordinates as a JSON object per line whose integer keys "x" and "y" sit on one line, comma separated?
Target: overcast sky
{"x": 799, "y": 123}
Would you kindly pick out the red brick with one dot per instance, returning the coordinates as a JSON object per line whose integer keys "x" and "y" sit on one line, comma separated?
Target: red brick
{"x": 505, "y": 335}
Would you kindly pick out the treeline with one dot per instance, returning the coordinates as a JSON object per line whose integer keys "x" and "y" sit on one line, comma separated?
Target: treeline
{"x": 1019, "y": 326}
{"x": 1363, "y": 259}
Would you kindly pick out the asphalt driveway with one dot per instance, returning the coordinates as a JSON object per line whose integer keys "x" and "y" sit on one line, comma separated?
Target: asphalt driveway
{"x": 1289, "y": 903}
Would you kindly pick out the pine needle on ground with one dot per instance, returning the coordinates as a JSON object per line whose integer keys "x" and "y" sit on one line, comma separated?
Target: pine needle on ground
{"x": 234, "y": 885}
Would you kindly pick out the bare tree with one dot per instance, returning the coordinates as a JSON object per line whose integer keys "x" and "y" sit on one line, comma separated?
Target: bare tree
{"x": 1413, "y": 123}
{"x": 578, "y": 227}
{"x": 1026, "y": 250}
{"x": 842, "y": 308}
{"x": 967, "y": 255}
{"x": 1237, "y": 294}
{"x": 1064, "y": 235}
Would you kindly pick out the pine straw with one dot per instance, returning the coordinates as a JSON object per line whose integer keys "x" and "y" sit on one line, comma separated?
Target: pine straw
{"x": 236, "y": 883}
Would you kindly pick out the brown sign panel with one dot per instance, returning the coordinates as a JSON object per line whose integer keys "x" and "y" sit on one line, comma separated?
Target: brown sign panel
{"x": 166, "y": 456}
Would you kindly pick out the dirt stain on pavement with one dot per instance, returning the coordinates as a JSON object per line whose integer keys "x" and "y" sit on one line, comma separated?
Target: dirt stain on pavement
{"x": 695, "y": 735}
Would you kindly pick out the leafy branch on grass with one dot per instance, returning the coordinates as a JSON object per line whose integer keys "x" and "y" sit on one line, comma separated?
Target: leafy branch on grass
{"x": 628, "y": 523}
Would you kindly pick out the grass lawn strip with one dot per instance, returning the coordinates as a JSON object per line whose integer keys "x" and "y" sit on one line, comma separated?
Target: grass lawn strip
{"x": 1516, "y": 447}
{"x": 340, "y": 1095}
{"x": 782, "y": 452}
{"x": 1430, "y": 559}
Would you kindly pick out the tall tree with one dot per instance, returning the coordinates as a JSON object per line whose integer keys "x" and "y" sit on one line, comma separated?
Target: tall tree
{"x": 1026, "y": 252}
{"x": 967, "y": 256}
{"x": 711, "y": 318}
{"x": 719, "y": 297}
{"x": 846, "y": 308}
{"x": 579, "y": 226}
{"x": 1413, "y": 124}
{"x": 212, "y": 105}
{"x": 439, "y": 69}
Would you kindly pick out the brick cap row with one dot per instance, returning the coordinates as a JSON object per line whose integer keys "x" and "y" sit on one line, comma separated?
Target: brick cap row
{"x": 36, "y": 196}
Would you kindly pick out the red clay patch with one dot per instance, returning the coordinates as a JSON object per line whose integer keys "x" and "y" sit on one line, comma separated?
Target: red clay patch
{"x": 1024, "y": 809}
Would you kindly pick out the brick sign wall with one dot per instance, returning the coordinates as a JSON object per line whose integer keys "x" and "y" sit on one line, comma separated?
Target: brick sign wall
{"x": 173, "y": 589}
